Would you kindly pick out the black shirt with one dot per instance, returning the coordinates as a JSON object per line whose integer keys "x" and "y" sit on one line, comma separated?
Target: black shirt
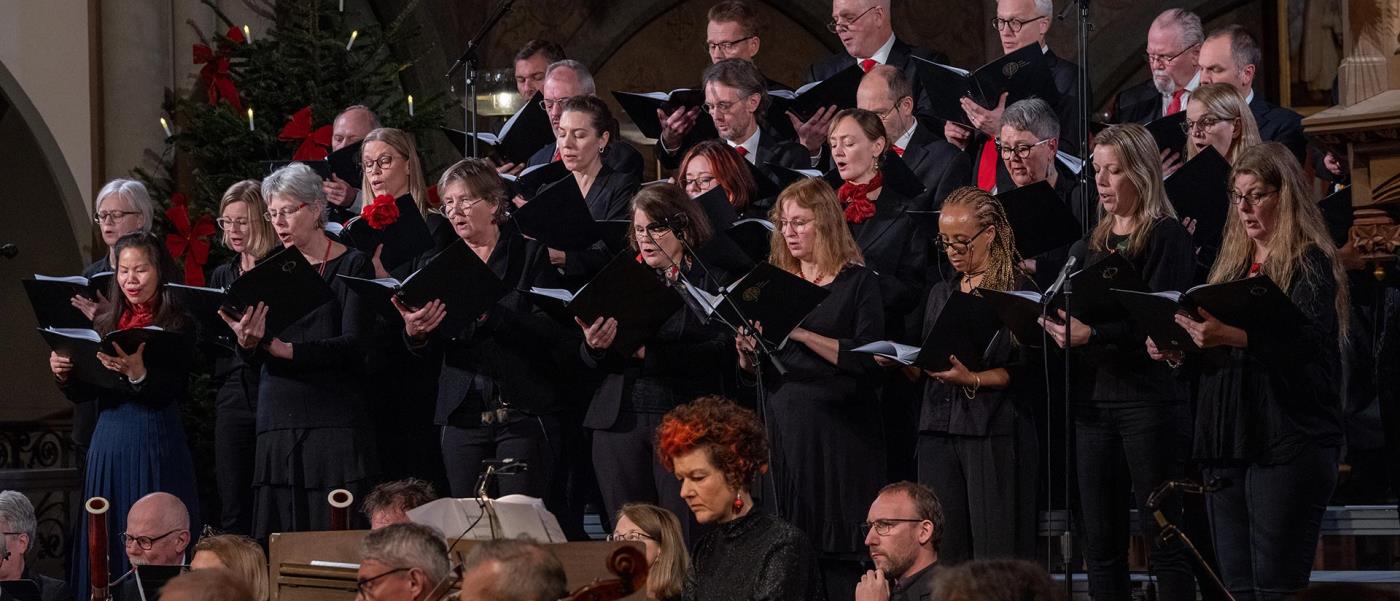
{"x": 757, "y": 556}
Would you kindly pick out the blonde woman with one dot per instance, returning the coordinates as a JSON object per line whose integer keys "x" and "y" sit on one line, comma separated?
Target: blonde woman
{"x": 1217, "y": 116}
{"x": 660, "y": 532}
{"x": 249, "y": 235}
{"x": 392, "y": 168}
{"x": 238, "y": 554}
{"x": 1131, "y": 429}
{"x": 1282, "y": 382}
{"x": 824, "y": 417}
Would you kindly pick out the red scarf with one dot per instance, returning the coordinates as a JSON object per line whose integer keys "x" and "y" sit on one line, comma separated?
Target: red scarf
{"x": 856, "y": 198}
{"x": 137, "y": 316}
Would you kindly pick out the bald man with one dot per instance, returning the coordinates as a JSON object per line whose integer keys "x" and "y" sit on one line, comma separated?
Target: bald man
{"x": 886, "y": 92}
{"x": 564, "y": 80}
{"x": 157, "y": 530}
{"x": 1231, "y": 55}
{"x": 1173, "y": 55}
{"x": 349, "y": 127}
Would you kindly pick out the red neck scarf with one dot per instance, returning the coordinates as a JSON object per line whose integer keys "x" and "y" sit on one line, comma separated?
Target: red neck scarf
{"x": 137, "y": 316}
{"x": 856, "y": 198}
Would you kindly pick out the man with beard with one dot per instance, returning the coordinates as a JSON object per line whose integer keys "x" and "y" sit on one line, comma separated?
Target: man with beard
{"x": 903, "y": 528}
{"x": 1173, "y": 54}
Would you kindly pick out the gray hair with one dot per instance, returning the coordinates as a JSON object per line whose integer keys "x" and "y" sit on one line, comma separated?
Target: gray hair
{"x": 1033, "y": 115}
{"x": 135, "y": 193}
{"x": 408, "y": 545}
{"x": 585, "y": 77}
{"x": 527, "y": 570}
{"x": 1045, "y": 8}
{"x": 17, "y": 513}
{"x": 1187, "y": 22}
{"x": 300, "y": 182}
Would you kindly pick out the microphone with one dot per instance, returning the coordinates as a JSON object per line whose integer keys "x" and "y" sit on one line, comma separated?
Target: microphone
{"x": 679, "y": 221}
{"x": 9, "y": 251}
{"x": 1060, "y": 279}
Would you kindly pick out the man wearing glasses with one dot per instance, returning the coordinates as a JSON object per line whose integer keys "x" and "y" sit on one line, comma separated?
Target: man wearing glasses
{"x": 563, "y": 80}
{"x": 18, "y": 524}
{"x": 157, "y": 530}
{"x": 734, "y": 97}
{"x": 1173, "y": 54}
{"x": 886, "y": 92}
{"x": 902, "y": 532}
{"x": 403, "y": 562}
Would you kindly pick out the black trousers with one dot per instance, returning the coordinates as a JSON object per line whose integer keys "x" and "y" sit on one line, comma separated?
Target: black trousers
{"x": 235, "y": 443}
{"x": 624, "y": 457}
{"x": 1266, "y": 521}
{"x": 533, "y": 439}
{"x": 988, "y": 488}
{"x": 1133, "y": 447}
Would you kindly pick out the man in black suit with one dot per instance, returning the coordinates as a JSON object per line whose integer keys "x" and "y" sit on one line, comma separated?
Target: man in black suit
{"x": 735, "y": 98}
{"x": 563, "y": 80}
{"x": 886, "y": 92}
{"x": 1173, "y": 53}
{"x": 1020, "y": 23}
{"x": 1230, "y": 55}
{"x": 868, "y": 37}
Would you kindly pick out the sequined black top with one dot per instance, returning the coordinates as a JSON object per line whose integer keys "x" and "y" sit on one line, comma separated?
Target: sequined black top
{"x": 758, "y": 557}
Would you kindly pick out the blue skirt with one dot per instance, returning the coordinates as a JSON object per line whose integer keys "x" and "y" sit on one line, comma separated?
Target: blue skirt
{"x": 136, "y": 450}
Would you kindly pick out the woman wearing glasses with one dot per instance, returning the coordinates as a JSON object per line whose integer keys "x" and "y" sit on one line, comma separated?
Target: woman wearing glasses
{"x": 713, "y": 163}
{"x": 392, "y": 168}
{"x": 249, "y": 235}
{"x": 717, "y": 449}
{"x": 1130, "y": 420}
{"x": 823, "y": 416}
{"x": 138, "y": 446}
{"x": 313, "y": 433}
{"x": 659, "y": 532}
{"x": 1218, "y": 117}
{"x": 1029, "y": 140}
{"x": 686, "y": 358}
{"x": 977, "y": 444}
{"x": 1268, "y": 417}
{"x": 496, "y": 396}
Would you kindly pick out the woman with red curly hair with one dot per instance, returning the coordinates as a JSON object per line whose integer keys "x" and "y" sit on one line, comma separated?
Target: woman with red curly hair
{"x": 716, "y": 449}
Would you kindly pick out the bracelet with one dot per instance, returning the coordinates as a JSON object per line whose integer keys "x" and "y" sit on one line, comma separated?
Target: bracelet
{"x": 977, "y": 385}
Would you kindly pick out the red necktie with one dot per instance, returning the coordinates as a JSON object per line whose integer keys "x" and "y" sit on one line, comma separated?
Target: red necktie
{"x": 556, "y": 156}
{"x": 743, "y": 152}
{"x": 987, "y": 166}
{"x": 899, "y": 150}
{"x": 1175, "y": 106}
{"x": 867, "y": 64}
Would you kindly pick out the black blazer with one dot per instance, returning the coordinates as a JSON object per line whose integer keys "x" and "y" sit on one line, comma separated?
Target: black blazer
{"x": 1278, "y": 124}
{"x": 940, "y": 166}
{"x": 618, "y": 156}
{"x": 685, "y": 359}
{"x": 509, "y": 353}
{"x": 609, "y": 199}
{"x": 1141, "y": 103}
{"x": 895, "y": 245}
{"x": 1066, "y": 77}
{"x": 898, "y": 58}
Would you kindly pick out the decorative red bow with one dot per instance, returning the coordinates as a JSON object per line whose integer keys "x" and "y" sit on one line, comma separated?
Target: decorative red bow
{"x": 382, "y": 212}
{"x": 856, "y": 198}
{"x": 215, "y": 72}
{"x": 434, "y": 200}
{"x": 315, "y": 144}
{"x": 190, "y": 240}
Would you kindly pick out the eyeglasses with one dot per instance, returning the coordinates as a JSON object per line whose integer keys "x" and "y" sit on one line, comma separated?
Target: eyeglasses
{"x": 383, "y": 162}
{"x": 882, "y": 527}
{"x": 1020, "y": 152}
{"x": 1204, "y": 124}
{"x": 957, "y": 247}
{"x": 362, "y": 586}
{"x": 654, "y": 229}
{"x": 460, "y": 206}
{"x": 1164, "y": 59}
{"x": 1254, "y": 199}
{"x": 722, "y": 107}
{"x": 797, "y": 224}
{"x": 703, "y": 182}
{"x": 630, "y": 537}
{"x": 282, "y": 213}
{"x": 549, "y": 104}
{"x": 227, "y": 224}
{"x": 839, "y": 27}
{"x": 101, "y": 217}
{"x": 1014, "y": 25}
{"x": 145, "y": 542}
{"x": 726, "y": 47}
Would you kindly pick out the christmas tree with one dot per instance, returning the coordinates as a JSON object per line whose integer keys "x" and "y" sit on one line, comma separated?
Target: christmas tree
{"x": 272, "y": 99}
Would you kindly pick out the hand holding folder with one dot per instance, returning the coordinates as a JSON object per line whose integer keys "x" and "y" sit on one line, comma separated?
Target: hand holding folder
{"x": 456, "y": 276}
{"x": 1249, "y": 304}
{"x": 627, "y": 291}
{"x": 285, "y": 283}
{"x": 55, "y": 300}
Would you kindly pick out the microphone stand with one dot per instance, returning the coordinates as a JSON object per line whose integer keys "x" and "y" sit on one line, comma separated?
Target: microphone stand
{"x": 1067, "y": 537}
{"x": 468, "y": 63}
{"x": 1082, "y": 47}
{"x": 1170, "y": 531}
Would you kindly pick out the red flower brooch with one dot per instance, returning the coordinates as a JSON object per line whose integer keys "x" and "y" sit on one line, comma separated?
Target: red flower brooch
{"x": 382, "y": 212}
{"x": 856, "y": 198}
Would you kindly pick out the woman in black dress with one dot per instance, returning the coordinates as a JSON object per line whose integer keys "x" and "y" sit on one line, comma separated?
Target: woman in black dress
{"x": 248, "y": 234}
{"x": 822, "y": 415}
{"x": 313, "y": 435}
{"x": 1268, "y": 413}
{"x": 585, "y": 128}
{"x": 716, "y": 449}
{"x": 977, "y": 444}
{"x": 1130, "y": 427}
{"x": 686, "y": 358}
{"x": 496, "y": 398}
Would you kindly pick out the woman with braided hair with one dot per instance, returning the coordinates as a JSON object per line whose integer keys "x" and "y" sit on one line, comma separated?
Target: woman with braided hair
{"x": 977, "y": 443}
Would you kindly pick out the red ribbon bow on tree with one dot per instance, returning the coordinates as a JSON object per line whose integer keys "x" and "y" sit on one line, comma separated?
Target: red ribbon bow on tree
{"x": 189, "y": 239}
{"x": 856, "y": 200}
{"x": 315, "y": 144}
{"x": 215, "y": 72}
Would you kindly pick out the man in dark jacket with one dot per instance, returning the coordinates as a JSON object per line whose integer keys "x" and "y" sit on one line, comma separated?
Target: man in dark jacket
{"x": 902, "y": 530}
{"x": 1230, "y": 55}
